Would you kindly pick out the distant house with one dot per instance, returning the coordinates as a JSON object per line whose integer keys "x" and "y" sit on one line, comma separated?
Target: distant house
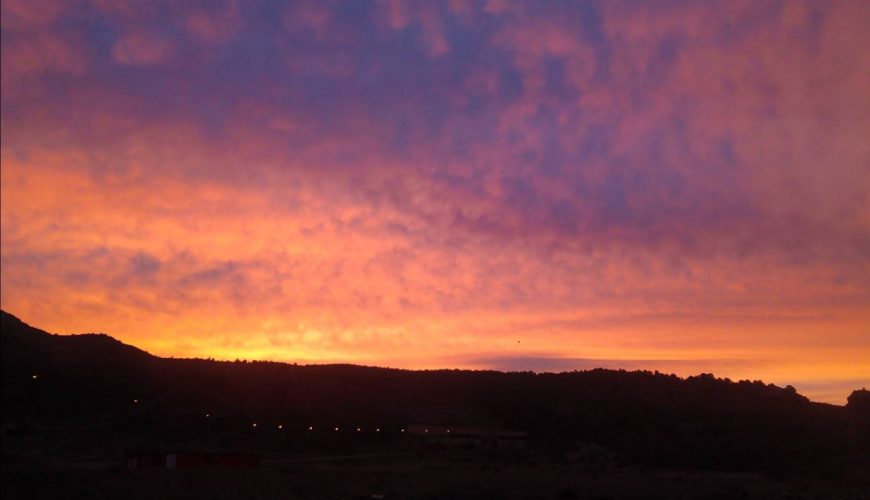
{"x": 479, "y": 438}
{"x": 183, "y": 459}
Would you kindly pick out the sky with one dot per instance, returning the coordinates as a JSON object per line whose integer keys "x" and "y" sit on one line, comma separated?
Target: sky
{"x": 513, "y": 185}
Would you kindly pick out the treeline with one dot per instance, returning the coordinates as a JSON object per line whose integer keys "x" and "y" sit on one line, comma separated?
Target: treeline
{"x": 645, "y": 417}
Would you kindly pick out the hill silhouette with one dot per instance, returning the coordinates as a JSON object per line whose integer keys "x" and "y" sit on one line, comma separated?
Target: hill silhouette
{"x": 642, "y": 417}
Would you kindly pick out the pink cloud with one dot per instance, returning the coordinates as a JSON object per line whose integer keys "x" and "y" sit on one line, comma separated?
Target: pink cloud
{"x": 141, "y": 49}
{"x": 19, "y": 15}
{"x": 400, "y": 14}
{"x": 433, "y": 32}
{"x": 314, "y": 16}
{"x": 214, "y": 25}
{"x": 43, "y": 52}
{"x": 397, "y": 13}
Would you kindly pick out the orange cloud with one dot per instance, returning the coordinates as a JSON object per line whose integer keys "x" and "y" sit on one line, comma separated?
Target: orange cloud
{"x": 447, "y": 185}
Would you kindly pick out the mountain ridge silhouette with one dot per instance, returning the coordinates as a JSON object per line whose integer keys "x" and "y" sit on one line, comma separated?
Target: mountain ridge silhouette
{"x": 652, "y": 418}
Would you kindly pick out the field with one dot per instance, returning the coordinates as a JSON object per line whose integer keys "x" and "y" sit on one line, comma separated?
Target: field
{"x": 60, "y": 469}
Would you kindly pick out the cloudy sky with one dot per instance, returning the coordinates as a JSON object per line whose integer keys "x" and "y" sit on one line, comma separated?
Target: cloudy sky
{"x": 681, "y": 186}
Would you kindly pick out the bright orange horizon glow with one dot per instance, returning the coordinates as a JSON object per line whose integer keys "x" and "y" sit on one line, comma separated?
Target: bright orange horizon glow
{"x": 484, "y": 185}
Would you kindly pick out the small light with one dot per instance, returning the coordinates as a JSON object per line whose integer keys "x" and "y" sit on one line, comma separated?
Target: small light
{"x": 135, "y": 401}
{"x": 448, "y": 431}
{"x": 310, "y": 427}
{"x": 378, "y": 429}
{"x": 35, "y": 376}
{"x": 427, "y": 430}
{"x": 254, "y": 424}
{"x": 358, "y": 429}
{"x": 403, "y": 430}
{"x": 336, "y": 429}
{"x": 207, "y": 415}
{"x": 280, "y": 426}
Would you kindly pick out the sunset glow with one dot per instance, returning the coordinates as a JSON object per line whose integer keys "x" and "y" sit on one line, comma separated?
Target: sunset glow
{"x": 547, "y": 186}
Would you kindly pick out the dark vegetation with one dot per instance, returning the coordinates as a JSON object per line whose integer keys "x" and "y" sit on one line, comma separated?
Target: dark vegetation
{"x": 649, "y": 419}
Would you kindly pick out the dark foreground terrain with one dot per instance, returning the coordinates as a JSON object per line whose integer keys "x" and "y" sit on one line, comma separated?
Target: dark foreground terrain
{"x": 79, "y": 411}
{"x": 433, "y": 476}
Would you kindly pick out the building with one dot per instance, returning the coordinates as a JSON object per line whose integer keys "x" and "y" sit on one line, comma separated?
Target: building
{"x": 183, "y": 459}
{"x": 477, "y": 438}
